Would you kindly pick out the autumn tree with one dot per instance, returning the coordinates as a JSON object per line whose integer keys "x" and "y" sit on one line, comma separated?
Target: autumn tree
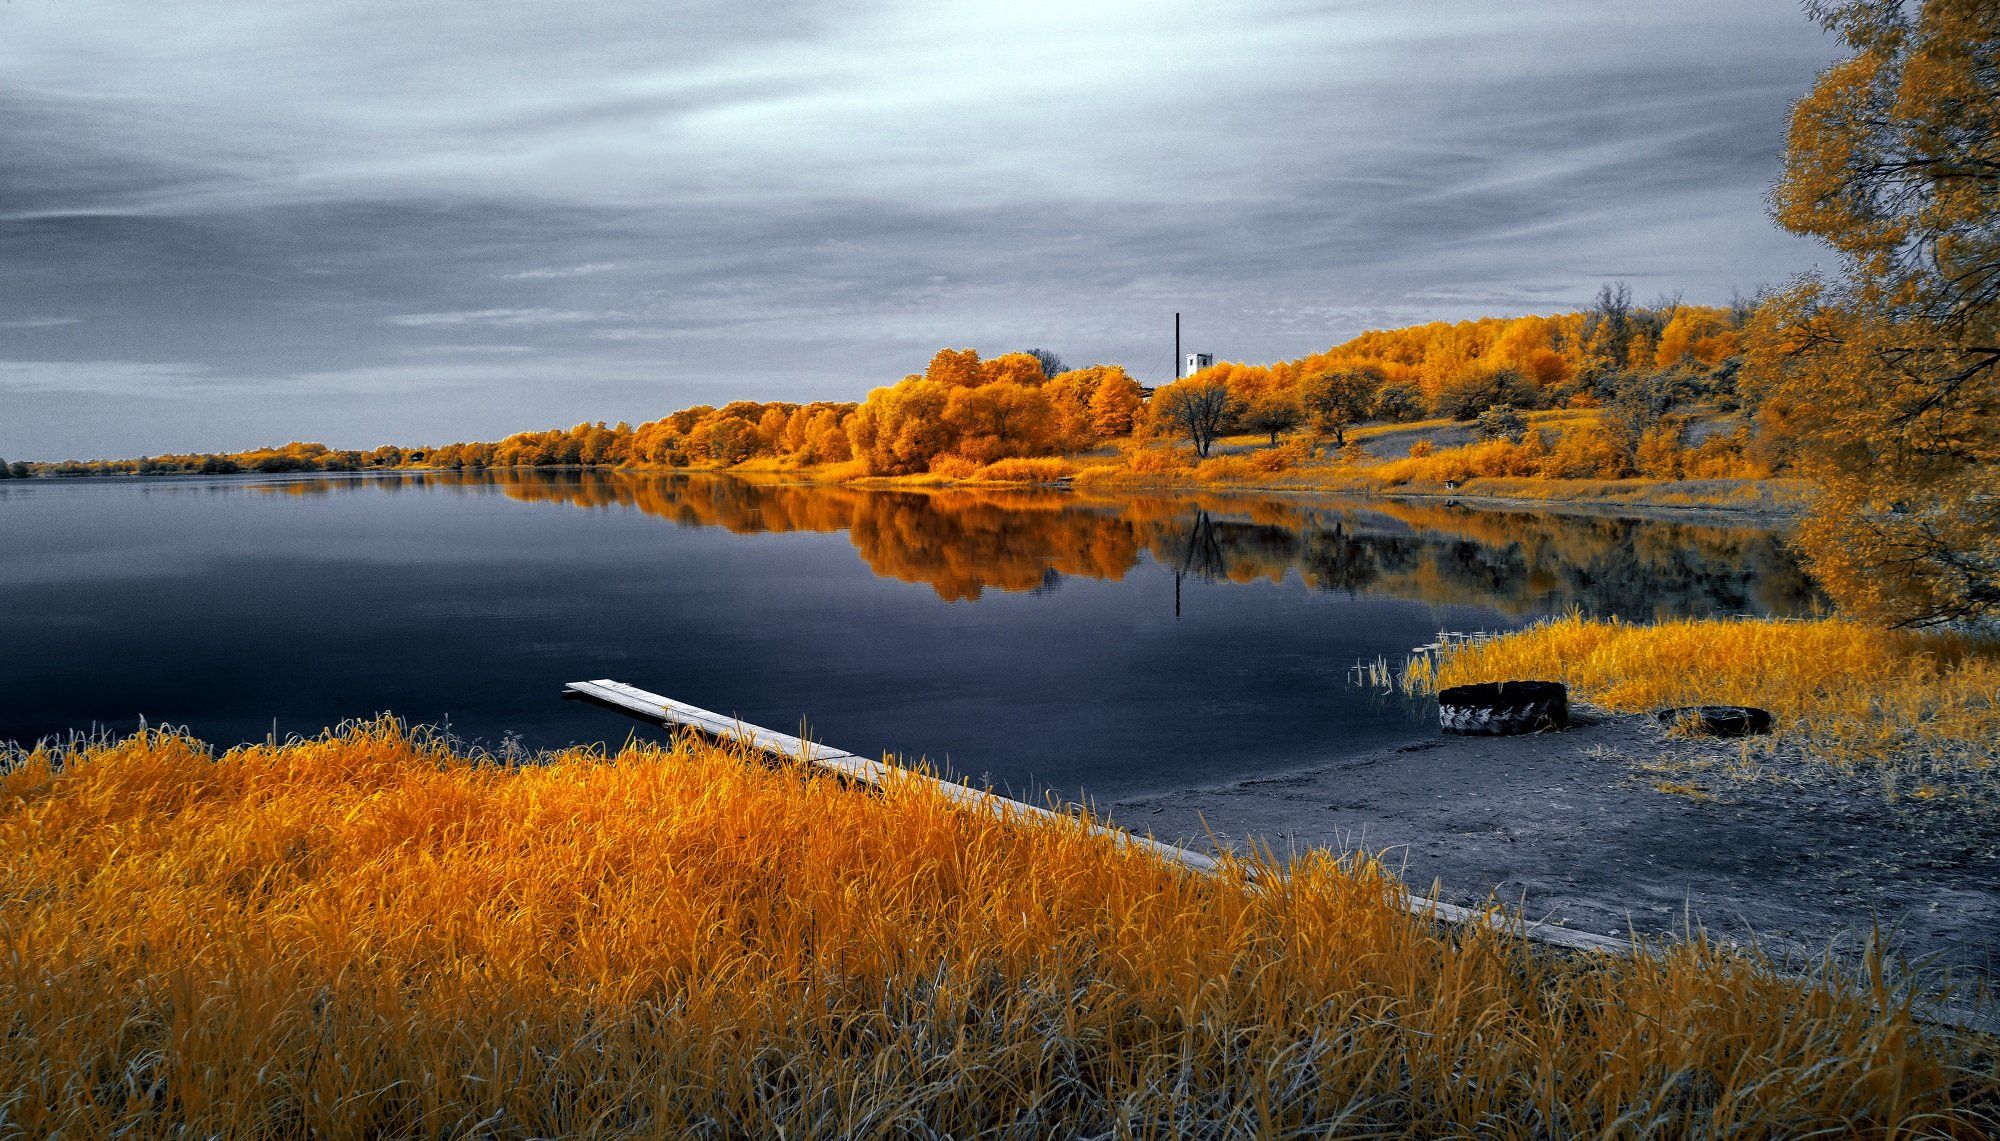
{"x": 1637, "y": 404}
{"x": 1887, "y": 377}
{"x": 1052, "y": 365}
{"x": 1337, "y": 399}
{"x": 1196, "y": 408}
{"x": 1272, "y": 413}
{"x": 1001, "y": 419}
{"x": 1399, "y": 402}
{"x": 1012, "y": 368}
{"x": 954, "y": 368}
{"x": 1115, "y": 406}
{"x": 898, "y": 430}
{"x": 1466, "y": 395}
{"x": 1069, "y": 396}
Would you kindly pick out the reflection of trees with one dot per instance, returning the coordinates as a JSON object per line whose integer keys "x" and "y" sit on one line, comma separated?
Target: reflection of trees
{"x": 962, "y": 542}
{"x": 1195, "y": 549}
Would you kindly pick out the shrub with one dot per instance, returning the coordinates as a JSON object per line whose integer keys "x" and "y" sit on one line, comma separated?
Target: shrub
{"x": 953, "y": 467}
{"x": 1147, "y": 461}
{"x": 1041, "y": 469}
{"x": 1502, "y": 422}
{"x": 1224, "y": 469}
{"x": 1587, "y": 452}
{"x": 1270, "y": 460}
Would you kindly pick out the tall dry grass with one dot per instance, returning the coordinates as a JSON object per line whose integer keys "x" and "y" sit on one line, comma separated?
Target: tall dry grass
{"x": 369, "y": 936}
{"x": 1852, "y": 694}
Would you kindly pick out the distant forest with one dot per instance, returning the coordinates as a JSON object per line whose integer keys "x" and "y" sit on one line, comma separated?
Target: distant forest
{"x": 1641, "y": 363}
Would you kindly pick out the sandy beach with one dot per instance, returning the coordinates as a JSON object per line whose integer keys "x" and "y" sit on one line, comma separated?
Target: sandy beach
{"x": 1572, "y": 827}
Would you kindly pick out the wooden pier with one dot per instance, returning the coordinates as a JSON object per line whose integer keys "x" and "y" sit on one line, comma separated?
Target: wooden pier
{"x": 668, "y": 713}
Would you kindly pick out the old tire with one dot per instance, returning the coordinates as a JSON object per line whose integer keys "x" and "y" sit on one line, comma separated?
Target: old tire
{"x": 1718, "y": 720}
{"x": 1503, "y": 708}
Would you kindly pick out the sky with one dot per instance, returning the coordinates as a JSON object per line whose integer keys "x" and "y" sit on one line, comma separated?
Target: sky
{"x": 225, "y": 224}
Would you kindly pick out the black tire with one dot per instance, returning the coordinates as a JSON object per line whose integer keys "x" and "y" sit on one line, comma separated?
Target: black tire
{"x": 1718, "y": 720}
{"x": 1503, "y": 708}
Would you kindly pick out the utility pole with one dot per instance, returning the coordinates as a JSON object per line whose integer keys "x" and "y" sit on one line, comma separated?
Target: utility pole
{"x": 1177, "y": 346}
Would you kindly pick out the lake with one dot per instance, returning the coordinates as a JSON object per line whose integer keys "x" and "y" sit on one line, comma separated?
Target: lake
{"x": 1097, "y": 646}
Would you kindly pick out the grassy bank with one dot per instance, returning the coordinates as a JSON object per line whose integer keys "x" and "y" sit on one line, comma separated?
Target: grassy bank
{"x": 368, "y": 935}
{"x": 1921, "y": 706}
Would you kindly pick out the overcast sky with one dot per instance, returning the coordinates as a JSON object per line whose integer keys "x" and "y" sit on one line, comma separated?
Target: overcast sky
{"x": 359, "y": 221}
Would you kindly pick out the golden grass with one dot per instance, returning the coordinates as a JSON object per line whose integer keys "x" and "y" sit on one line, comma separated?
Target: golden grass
{"x": 369, "y": 936}
{"x": 1852, "y": 694}
{"x": 1773, "y": 495}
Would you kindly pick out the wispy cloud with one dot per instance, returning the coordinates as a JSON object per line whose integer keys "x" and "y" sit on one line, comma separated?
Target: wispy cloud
{"x": 465, "y": 350}
{"x": 631, "y": 335}
{"x": 100, "y": 378}
{"x": 503, "y": 318}
{"x": 37, "y": 322}
{"x": 558, "y": 273}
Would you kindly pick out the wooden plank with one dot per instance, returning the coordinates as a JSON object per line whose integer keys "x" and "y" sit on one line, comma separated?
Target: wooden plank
{"x": 674, "y": 714}
{"x": 669, "y": 713}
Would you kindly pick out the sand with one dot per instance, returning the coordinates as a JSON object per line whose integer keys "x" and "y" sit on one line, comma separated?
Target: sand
{"x": 1791, "y": 858}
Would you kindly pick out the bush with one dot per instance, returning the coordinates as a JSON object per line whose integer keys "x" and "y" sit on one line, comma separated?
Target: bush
{"x": 1224, "y": 469}
{"x": 1586, "y": 453}
{"x": 953, "y": 467}
{"x": 1041, "y": 469}
{"x": 1270, "y": 460}
{"x": 1503, "y": 422}
{"x": 1149, "y": 461}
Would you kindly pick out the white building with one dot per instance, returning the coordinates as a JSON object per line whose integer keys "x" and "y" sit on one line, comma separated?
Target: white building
{"x": 1198, "y": 361}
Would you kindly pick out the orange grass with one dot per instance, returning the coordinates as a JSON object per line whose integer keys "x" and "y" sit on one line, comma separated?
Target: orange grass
{"x": 366, "y": 935}
{"x": 1851, "y": 694}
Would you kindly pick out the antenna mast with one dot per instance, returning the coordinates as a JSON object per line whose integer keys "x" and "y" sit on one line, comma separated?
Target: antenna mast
{"x": 1177, "y": 346}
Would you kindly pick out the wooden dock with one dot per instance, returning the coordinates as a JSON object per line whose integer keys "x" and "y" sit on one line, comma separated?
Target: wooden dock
{"x": 668, "y": 713}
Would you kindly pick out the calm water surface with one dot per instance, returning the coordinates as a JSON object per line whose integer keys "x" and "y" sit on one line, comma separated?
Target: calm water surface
{"x": 1094, "y": 646}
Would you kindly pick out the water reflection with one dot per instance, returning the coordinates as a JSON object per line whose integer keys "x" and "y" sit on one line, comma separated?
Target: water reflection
{"x": 962, "y": 543}
{"x": 1118, "y": 645}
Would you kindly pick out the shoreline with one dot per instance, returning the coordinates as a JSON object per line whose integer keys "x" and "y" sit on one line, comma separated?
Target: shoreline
{"x": 1572, "y": 829}
{"x": 1777, "y": 510}
{"x": 1778, "y": 499}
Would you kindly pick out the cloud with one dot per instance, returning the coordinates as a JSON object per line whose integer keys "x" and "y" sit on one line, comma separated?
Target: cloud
{"x": 503, "y": 318}
{"x": 465, "y": 350}
{"x": 37, "y": 322}
{"x": 554, "y": 273}
{"x": 631, "y": 335}
{"x": 101, "y": 377}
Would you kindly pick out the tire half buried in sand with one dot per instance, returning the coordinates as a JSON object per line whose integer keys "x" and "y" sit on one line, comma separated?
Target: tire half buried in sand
{"x": 1503, "y": 708}
{"x": 1717, "y": 720}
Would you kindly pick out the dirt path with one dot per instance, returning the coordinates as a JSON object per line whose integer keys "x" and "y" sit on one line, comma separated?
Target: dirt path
{"x": 1565, "y": 823}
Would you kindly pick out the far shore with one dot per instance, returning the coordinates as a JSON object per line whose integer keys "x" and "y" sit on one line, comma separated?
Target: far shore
{"x": 1773, "y": 502}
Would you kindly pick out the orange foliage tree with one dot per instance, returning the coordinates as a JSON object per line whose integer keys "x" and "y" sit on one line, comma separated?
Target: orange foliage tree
{"x": 1887, "y": 379}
